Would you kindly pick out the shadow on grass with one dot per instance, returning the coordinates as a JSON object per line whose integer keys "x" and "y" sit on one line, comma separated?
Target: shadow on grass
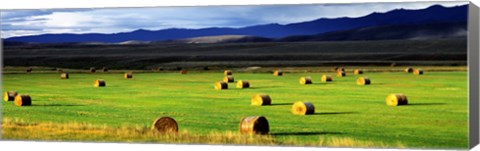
{"x": 275, "y": 104}
{"x": 414, "y": 104}
{"x": 333, "y": 113}
{"x": 56, "y": 105}
{"x": 303, "y": 133}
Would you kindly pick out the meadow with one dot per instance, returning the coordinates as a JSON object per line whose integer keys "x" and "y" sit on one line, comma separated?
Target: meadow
{"x": 346, "y": 114}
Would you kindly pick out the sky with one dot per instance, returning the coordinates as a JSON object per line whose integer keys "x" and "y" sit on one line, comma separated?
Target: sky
{"x": 114, "y": 20}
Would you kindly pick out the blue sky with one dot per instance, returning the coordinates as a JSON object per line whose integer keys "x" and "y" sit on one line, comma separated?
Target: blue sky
{"x": 114, "y": 20}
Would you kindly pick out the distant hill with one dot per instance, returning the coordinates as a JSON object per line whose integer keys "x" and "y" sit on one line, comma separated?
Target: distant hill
{"x": 389, "y": 32}
{"x": 433, "y": 14}
{"x": 223, "y": 39}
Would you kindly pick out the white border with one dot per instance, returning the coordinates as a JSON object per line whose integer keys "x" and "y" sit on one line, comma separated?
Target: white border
{"x": 73, "y": 146}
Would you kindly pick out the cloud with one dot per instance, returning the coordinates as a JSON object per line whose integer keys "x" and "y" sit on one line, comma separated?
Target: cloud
{"x": 114, "y": 20}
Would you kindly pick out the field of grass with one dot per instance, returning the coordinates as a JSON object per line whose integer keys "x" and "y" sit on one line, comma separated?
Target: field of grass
{"x": 346, "y": 114}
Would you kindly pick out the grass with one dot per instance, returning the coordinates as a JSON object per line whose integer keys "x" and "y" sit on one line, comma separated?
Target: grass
{"x": 346, "y": 114}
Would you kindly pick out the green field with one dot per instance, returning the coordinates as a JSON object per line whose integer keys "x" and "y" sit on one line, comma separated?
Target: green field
{"x": 346, "y": 114}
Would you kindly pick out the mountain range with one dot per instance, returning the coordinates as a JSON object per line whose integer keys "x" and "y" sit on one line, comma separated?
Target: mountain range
{"x": 433, "y": 22}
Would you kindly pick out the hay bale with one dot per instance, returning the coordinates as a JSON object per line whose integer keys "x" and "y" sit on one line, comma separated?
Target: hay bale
{"x": 261, "y": 99}
{"x": 228, "y": 79}
{"x": 128, "y": 75}
{"x": 396, "y": 99}
{"x": 243, "y": 84}
{"x": 326, "y": 78}
{"x": 303, "y": 108}
{"x": 254, "y": 125}
{"x": 363, "y": 81}
{"x": 221, "y": 85}
{"x": 341, "y": 73}
{"x": 393, "y": 64}
{"x": 64, "y": 76}
{"x": 227, "y": 72}
{"x": 183, "y": 71}
{"x": 277, "y": 73}
{"x": 23, "y": 100}
{"x": 409, "y": 70}
{"x": 29, "y": 70}
{"x": 99, "y": 83}
{"x": 165, "y": 125}
{"x": 418, "y": 72}
{"x": 305, "y": 80}
{"x": 340, "y": 69}
{"x": 105, "y": 69}
{"x": 357, "y": 71}
{"x": 92, "y": 69}
{"x": 9, "y": 95}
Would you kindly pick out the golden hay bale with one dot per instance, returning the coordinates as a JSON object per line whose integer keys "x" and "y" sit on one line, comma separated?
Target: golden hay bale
{"x": 243, "y": 84}
{"x": 327, "y": 78}
{"x": 64, "y": 76}
{"x": 409, "y": 70}
{"x": 305, "y": 80}
{"x": 128, "y": 75}
{"x": 254, "y": 125}
{"x": 303, "y": 108}
{"x": 396, "y": 99}
{"x": 278, "y": 73}
{"x": 165, "y": 125}
{"x": 261, "y": 99}
{"x": 227, "y": 72}
{"x": 221, "y": 85}
{"x": 105, "y": 69}
{"x": 23, "y": 100}
{"x": 92, "y": 69}
{"x": 9, "y": 95}
{"x": 183, "y": 71}
{"x": 341, "y": 73}
{"x": 228, "y": 79}
{"x": 363, "y": 81}
{"x": 99, "y": 83}
{"x": 418, "y": 71}
{"x": 358, "y": 71}
{"x": 336, "y": 69}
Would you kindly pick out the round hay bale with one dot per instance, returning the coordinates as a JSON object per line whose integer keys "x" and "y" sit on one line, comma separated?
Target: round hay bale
{"x": 227, "y": 72}
{"x": 64, "y": 76}
{"x": 396, "y": 99}
{"x": 341, "y": 73}
{"x": 418, "y": 72}
{"x": 183, "y": 71}
{"x": 254, "y": 125}
{"x": 305, "y": 80}
{"x": 358, "y": 71}
{"x": 409, "y": 70}
{"x": 243, "y": 84}
{"x": 228, "y": 79}
{"x": 9, "y": 95}
{"x": 327, "y": 78}
{"x": 393, "y": 64}
{"x": 165, "y": 125}
{"x": 303, "y": 108}
{"x": 278, "y": 73}
{"x": 92, "y": 69}
{"x": 105, "y": 69}
{"x": 99, "y": 83}
{"x": 261, "y": 99}
{"x": 23, "y": 100}
{"x": 363, "y": 81}
{"x": 340, "y": 69}
{"x": 221, "y": 85}
{"x": 128, "y": 75}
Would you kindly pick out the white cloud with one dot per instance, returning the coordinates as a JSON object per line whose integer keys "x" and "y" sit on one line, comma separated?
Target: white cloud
{"x": 32, "y": 22}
